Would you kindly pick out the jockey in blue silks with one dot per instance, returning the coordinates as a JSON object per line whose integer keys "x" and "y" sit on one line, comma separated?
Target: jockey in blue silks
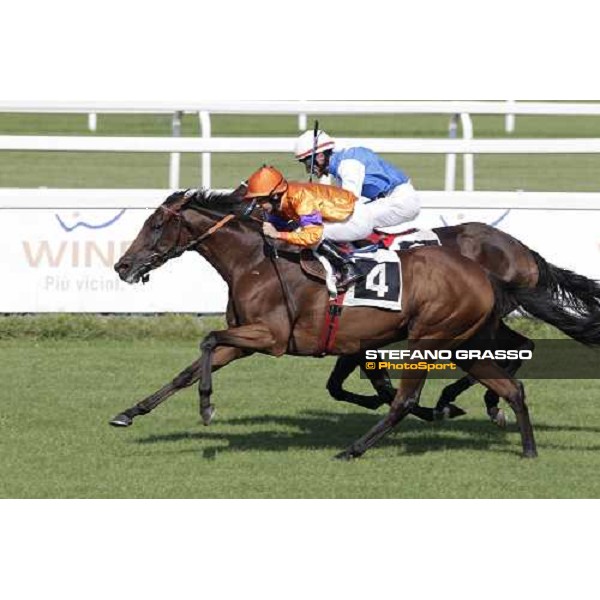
{"x": 385, "y": 189}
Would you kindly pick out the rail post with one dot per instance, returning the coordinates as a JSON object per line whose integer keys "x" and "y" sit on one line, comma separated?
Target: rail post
{"x": 450, "y": 179}
{"x": 468, "y": 162}
{"x": 175, "y": 156}
{"x": 205, "y": 129}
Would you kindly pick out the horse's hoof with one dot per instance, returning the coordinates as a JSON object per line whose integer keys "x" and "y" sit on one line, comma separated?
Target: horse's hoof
{"x": 350, "y": 453}
{"x": 121, "y": 420}
{"x": 448, "y": 412}
{"x": 531, "y": 453}
{"x": 498, "y": 417}
{"x": 346, "y": 455}
{"x": 208, "y": 414}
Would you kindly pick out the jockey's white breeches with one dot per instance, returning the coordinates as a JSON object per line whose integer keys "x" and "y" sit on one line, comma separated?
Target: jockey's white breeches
{"x": 401, "y": 206}
{"x": 356, "y": 227}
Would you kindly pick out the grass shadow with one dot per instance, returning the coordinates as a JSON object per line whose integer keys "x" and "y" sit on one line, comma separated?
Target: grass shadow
{"x": 323, "y": 430}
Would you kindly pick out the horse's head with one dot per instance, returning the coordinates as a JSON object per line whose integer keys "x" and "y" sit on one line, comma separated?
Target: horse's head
{"x": 177, "y": 225}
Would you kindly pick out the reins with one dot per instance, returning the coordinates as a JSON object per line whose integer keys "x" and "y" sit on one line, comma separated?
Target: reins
{"x": 177, "y": 251}
{"x": 288, "y": 298}
{"x": 215, "y": 227}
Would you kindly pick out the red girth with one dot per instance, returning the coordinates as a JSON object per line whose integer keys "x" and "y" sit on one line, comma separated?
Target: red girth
{"x": 331, "y": 325}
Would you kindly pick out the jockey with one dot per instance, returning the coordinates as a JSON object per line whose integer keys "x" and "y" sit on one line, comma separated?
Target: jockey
{"x": 314, "y": 215}
{"x": 386, "y": 190}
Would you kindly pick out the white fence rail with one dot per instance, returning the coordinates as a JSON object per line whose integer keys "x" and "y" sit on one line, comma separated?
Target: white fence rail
{"x": 312, "y": 107}
{"x": 274, "y": 145}
{"x": 117, "y": 199}
{"x": 456, "y": 109}
{"x": 206, "y": 146}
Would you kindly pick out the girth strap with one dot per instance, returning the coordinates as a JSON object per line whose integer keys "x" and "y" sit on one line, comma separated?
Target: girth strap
{"x": 331, "y": 325}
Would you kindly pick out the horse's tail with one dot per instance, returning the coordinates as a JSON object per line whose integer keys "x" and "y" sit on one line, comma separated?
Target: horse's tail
{"x": 569, "y": 301}
{"x": 570, "y": 289}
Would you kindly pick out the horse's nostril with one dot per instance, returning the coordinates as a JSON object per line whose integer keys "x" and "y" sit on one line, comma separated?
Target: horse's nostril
{"x": 121, "y": 266}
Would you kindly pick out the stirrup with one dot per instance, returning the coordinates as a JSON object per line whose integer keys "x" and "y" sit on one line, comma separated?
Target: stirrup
{"x": 350, "y": 277}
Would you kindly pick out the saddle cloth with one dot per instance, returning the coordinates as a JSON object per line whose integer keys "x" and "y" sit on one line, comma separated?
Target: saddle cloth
{"x": 380, "y": 286}
{"x": 411, "y": 238}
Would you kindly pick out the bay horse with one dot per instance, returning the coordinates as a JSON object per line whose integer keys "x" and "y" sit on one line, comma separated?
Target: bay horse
{"x": 557, "y": 296}
{"x": 274, "y": 308}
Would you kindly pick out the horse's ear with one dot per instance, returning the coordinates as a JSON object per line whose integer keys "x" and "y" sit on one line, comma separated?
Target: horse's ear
{"x": 240, "y": 190}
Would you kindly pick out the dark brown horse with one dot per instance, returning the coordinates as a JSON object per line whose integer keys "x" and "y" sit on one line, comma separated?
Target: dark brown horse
{"x": 555, "y": 295}
{"x": 275, "y": 308}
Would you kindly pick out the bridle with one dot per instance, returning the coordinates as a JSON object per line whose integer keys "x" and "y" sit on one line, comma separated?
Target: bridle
{"x": 159, "y": 258}
{"x": 176, "y": 251}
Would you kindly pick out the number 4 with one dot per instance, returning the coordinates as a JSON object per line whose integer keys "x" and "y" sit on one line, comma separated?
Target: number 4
{"x": 376, "y": 281}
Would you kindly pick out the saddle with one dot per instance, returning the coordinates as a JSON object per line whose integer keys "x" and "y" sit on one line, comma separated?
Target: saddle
{"x": 404, "y": 240}
{"x": 311, "y": 265}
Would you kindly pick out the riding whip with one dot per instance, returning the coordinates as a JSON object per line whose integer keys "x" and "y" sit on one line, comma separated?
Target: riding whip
{"x": 314, "y": 149}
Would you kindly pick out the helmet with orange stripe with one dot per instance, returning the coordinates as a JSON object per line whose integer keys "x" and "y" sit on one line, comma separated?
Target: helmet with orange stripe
{"x": 313, "y": 150}
{"x": 306, "y": 144}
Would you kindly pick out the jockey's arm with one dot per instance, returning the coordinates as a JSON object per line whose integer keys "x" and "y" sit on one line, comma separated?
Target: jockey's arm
{"x": 309, "y": 220}
{"x": 352, "y": 174}
{"x": 307, "y": 206}
{"x": 309, "y": 234}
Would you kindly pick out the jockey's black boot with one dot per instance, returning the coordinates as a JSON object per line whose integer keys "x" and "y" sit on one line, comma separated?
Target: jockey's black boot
{"x": 341, "y": 263}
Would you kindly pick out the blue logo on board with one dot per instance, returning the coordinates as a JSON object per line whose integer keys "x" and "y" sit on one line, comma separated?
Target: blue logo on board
{"x": 103, "y": 225}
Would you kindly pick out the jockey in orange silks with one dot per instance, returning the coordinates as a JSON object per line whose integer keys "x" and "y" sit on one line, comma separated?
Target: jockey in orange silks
{"x": 315, "y": 216}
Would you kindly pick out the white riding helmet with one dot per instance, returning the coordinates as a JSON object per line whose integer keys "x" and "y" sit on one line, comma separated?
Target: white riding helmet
{"x": 306, "y": 143}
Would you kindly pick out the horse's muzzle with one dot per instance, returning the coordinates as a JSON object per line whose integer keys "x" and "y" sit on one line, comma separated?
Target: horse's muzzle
{"x": 133, "y": 271}
{"x": 129, "y": 273}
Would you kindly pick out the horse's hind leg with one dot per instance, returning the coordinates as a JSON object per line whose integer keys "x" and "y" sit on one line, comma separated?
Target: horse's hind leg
{"x": 507, "y": 339}
{"x": 406, "y": 399}
{"x": 187, "y": 377}
{"x": 498, "y": 381}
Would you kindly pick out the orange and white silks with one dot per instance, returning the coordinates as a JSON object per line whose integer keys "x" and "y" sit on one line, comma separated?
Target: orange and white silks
{"x": 310, "y": 204}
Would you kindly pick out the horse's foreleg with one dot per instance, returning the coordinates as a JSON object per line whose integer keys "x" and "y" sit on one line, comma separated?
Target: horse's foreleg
{"x": 344, "y": 366}
{"x": 444, "y": 407}
{"x": 244, "y": 339}
{"x": 187, "y": 377}
{"x": 382, "y": 384}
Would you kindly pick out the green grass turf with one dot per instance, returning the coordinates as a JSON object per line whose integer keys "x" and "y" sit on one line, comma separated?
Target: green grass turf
{"x": 274, "y": 435}
{"x": 130, "y": 170}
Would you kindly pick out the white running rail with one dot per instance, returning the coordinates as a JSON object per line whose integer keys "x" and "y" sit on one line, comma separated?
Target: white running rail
{"x": 462, "y": 110}
{"x": 41, "y": 198}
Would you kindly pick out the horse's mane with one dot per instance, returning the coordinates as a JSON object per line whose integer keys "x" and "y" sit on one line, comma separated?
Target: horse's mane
{"x": 217, "y": 202}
